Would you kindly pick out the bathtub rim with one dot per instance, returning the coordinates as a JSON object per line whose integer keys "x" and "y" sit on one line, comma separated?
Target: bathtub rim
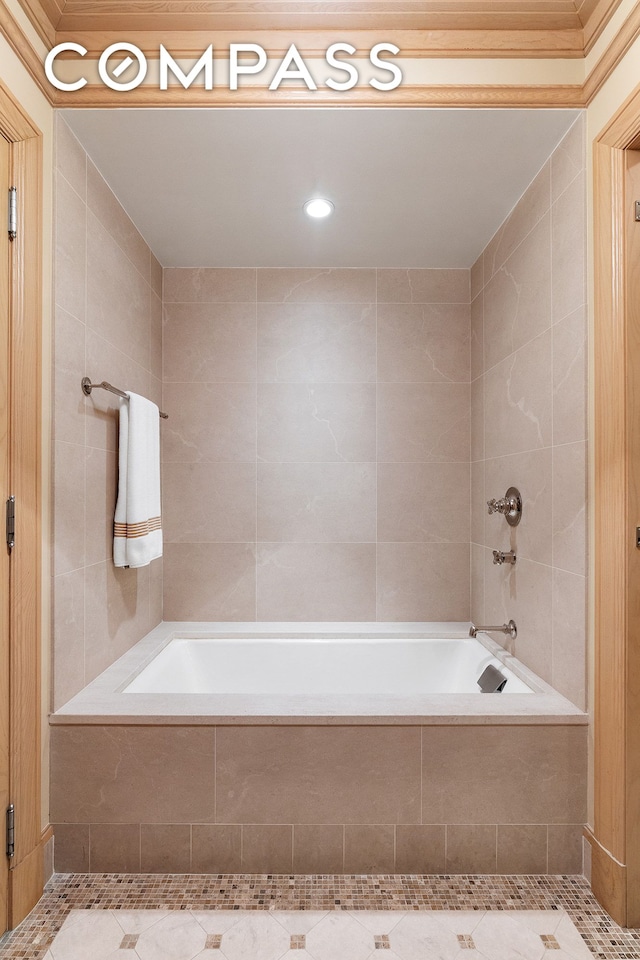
{"x": 103, "y": 702}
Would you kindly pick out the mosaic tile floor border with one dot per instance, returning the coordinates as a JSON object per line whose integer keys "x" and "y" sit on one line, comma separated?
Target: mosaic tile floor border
{"x": 63, "y": 893}
{"x": 319, "y": 935}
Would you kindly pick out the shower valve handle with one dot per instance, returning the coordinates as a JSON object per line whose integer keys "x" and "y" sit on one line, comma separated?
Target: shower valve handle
{"x": 510, "y": 506}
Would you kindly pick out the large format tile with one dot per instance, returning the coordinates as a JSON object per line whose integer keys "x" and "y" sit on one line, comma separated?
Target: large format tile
{"x": 69, "y": 369}
{"x": 318, "y": 848}
{"x": 568, "y": 249}
{"x": 68, "y": 506}
{"x": 569, "y": 507}
{"x": 209, "y": 422}
{"x": 103, "y": 203}
{"x": 317, "y": 286}
{"x": 369, "y": 849}
{"x": 209, "y": 581}
{"x": 208, "y": 285}
{"x": 476, "y": 774}
{"x": 477, "y": 336}
{"x": 334, "y": 502}
{"x": 267, "y": 848}
{"x": 423, "y": 502}
{"x": 423, "y": 342}
{"x": 569, "y": 663}
{"x": 530, "y": 209}
{"x": 209, "y": 502}
{"x": 531, "y": 473}
{"x": 317, "y": 342}
{"x": 319, "y": 422}
{"x": 71, "y": 160}
{"x": 420, "y": 848}
{"x": 214, "y": 342}
{"x": 70, "y": 264}
{"x": 117, "y": 614}
{"x": 216, "y": 848}
{"x": 423, "y": 286}
{"x": 101, "y": 490}
{"x": 132, "y": 774}
{"x": 570, "y": 378}
{"x": 568, "y": 159}
{"x": 423, "y": 421}
{"x": 318, "y": 775}
{"x": 106, "y": 361}
{"x": 317, "y": 581}
{"x": 68, "y": 629}
{"x": 423, "y": 581}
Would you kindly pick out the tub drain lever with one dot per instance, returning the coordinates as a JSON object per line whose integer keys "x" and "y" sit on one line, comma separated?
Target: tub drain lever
{"x": 491, "y": 680}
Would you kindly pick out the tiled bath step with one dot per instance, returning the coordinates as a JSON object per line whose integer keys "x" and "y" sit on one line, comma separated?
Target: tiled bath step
{"x": 311, "y": 935}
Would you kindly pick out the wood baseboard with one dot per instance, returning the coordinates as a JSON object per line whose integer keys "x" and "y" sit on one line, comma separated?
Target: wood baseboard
{"x": 608, "y": 880}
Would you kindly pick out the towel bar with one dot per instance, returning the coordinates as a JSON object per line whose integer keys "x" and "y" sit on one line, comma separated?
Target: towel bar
{"x": 87, "y": 387}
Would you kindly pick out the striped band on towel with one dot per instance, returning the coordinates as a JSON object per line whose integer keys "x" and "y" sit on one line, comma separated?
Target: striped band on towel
{"x": 140, "y": 529}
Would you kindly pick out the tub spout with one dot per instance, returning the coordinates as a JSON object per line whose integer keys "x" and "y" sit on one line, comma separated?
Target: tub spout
{"x": 509, "y": 629}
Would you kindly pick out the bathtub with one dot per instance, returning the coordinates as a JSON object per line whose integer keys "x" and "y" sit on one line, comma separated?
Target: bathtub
{"x": 317, "y": 748}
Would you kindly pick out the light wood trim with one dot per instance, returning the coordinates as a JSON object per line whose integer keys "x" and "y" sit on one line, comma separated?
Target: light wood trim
{"x": 25, "y": 479}
{"x": 23, "y": 49}
{"x": 608, "y": 879}
{"x": 612, "y": 56}
{"x": 43, "y": 18}
{"x": 5, "y": 568}
{"x": 594, "y": 16}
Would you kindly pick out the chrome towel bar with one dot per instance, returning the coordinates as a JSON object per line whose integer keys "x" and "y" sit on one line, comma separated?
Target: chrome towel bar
{"x": 87, "y": 387}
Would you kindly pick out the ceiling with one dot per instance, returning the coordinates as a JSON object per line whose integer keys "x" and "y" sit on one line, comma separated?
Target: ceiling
{"x": 411, "y": 188}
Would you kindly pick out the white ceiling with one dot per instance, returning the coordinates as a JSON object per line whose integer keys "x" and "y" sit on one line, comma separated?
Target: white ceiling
{"x": 411, "y": 188}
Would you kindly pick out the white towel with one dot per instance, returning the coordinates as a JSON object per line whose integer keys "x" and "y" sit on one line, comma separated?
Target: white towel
{"x": 137, "y": 527}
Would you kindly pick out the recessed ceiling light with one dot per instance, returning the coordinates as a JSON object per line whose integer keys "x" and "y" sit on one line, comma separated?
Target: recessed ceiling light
{"x": 318, "y": 208}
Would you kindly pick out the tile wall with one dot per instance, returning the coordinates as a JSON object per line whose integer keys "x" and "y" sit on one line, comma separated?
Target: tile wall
{"x": 108, "y": 325}
{"x": 319, "y": 424}
{"x": 528, "y": 416}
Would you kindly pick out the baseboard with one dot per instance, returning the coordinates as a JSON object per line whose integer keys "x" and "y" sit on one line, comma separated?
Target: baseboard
{"x": 608, "y": 880}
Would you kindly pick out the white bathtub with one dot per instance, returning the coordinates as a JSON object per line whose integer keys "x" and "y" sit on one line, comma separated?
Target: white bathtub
{"x": 325, "y": 666}
{"x": 321, "y": 674}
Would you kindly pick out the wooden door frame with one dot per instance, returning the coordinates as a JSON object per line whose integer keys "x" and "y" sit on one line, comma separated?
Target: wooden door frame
{"x": 25, "y": 391}
{"x": 615, "y": 839}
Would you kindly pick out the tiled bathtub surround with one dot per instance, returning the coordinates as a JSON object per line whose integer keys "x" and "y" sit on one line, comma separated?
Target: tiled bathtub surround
{"x": 108, "y": 325}
{"x": 318, "y": 799}
{"x": 528, "y": 415}
{"x": 319, "y": 421}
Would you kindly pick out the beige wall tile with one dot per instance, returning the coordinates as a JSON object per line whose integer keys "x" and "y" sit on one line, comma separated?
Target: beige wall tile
{"x": 569, "y": 507}
{"x": 568, "y": 260}
{"x": 209, "y": 581}
{"x": 209, "y": 422}
{"x": 427, "y": 421}
{"x": 568, "y": 159}
{"x": 334, "y": 502}
{"x": 477, "y": 277}
{"x": 318, "y": 848}
{"x": 317, "y": 342}
{"x": 155, "y": 276}
{"x": 104, "y": 361}
{"x": 70, "y": 249}
{"x": 424, "y": 342}
{"x": 517, "y": 400}
{"x": 468, "y": 774}
{"x": 101, "y": 479}
{"x": 71, "y": 160}
{"x": 103, "y": 203}
{"x": 208, "y": 285}
{"x": 477, "y": 420}
{"x": 478, "y": 564}
{"x": 318, "y": 286}
{"x": 115, "y": 848}
{"x": 569, "y": 666}
{"x": 155, "y": 335}
{"x": 570, "y": 378}
{"x": 479, "y": 498}
{"x": 155, "y": 592}
{"x": 531, "y": 208}
{"x": 523, "y": 593}
{"x": 531, "y": 474}
{"x": 165, "y": 847}
{"x": 69, "y": 401}
{"x": 423, "y": 502}
{"x": 319, "y": 422}
{"x": 118, "y": 311}
{"x": 213, "y": 342}
{"x": 316, "y": 581}
{"x": 209, "y": 502}
{"x": 477, "y": 336}
{"x": 522, "y": 848}
{"x": 471, "y": 848}
{"x": 423, "y": 581}
{"x": 420, "y": 848}
{"x": 68, "y": 480}
{"x": 68, "y": 625}
{"x": 216, "y": 848}
{"x": 565, "y": 848}
{"x": 369, "y": 849}
{"x": 318, "y": 775}
{"x": 116, "y": 615}
{"x": 267, "y": 849}
{"x": 423, "y": 286}
{"x": 517, "y": 299}
{"x": 137, "y": 774}
{"x": 71, "y": 847}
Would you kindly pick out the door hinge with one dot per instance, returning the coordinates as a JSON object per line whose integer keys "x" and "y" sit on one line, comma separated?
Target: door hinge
{"x": 13, "y": 213}
{"x": 11, "y": 522}
{"x": 11, "y": 830}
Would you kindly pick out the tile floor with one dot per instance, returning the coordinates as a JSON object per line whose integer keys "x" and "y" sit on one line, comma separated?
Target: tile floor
{"x": 318, "y": 935}
{"x": 211, "y": 908}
